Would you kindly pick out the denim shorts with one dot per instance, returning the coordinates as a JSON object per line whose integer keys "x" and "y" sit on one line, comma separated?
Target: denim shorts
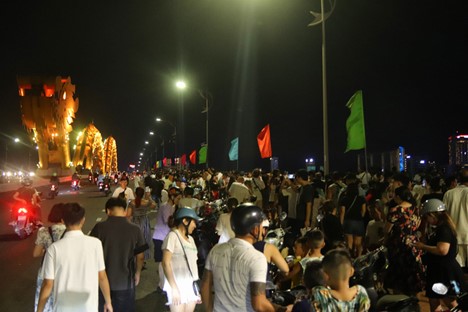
{"x": 354, "y": 227}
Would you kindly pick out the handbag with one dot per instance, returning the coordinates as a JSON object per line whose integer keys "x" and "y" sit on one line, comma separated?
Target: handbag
{"x": 196, "y": 283}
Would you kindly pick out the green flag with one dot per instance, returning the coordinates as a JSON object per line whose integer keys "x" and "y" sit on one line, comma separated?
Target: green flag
{"x": 202, "y": 154}
{"x": 355, "y": 123}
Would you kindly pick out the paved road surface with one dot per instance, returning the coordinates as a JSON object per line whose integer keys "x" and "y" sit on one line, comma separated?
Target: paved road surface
{"x": 19, "y": 269}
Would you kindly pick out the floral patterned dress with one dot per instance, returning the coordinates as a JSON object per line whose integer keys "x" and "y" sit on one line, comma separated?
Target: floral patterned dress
{"x": 405, "y": 271}
{"x": 325, "y": 302}
{"x": 140, "y": 218}
{"x": 45, "y": 240}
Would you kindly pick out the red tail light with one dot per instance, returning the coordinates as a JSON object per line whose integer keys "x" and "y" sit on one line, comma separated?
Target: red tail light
{"x": 22, "y": 210}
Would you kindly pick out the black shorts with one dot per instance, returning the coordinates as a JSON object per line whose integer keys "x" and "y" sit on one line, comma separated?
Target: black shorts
{"x": 158, "y": 254}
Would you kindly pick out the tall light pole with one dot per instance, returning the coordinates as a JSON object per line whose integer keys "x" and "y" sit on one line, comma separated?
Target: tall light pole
{"x": 319, "y": 18}
{"x": 174, "y": 134}
{"x": 207, "y": 96}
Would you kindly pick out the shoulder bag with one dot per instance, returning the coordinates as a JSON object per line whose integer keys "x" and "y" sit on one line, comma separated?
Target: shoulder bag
{"x": 196, "y": 283}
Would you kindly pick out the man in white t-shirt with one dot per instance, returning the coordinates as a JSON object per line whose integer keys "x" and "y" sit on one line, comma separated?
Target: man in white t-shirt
{"x": 189, "y": 201}
{"x": 123, "y": 190}
{"x": 239, "y": 191}
{"x": 74, "y": 278}
{"x": 236, "y": 271}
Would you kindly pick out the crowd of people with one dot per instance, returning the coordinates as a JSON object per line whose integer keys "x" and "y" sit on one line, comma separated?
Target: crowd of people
{"x": 419, "y": 219}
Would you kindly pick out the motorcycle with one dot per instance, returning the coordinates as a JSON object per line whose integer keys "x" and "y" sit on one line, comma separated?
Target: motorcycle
{"x": 368, "y": 270}
{"x": 53, "y": 191}
{"x": 23, "y": 224}
{"x": 453, "y": 289}
{"x": 205, "y": 235}
{"x": 106, "y": 188}
{"x": 75, "y": 185}
{"x": 289, "y": 296}
{"x": 278, "y": 235}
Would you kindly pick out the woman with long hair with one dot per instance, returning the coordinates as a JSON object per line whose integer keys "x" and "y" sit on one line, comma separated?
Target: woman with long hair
{"x": 180, "y": 262}
{"x": 138, "y": 210}
{"x": 352, "y": 212}
{"x": 440, "y": 249}
{"x": 405, "y": 270}
{"x": 45, "y": 237}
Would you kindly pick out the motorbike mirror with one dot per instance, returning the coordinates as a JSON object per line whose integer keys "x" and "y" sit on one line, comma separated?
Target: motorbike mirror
{"x": 289, "y": 259}
{"x": 283, "y": 216}
{"x": 439, "y": 289}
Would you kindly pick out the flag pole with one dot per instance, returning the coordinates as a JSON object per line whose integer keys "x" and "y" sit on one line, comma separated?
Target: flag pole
{"x": 324, "y": 96}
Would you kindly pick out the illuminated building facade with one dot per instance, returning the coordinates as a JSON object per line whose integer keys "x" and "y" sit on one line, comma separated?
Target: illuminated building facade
{"x": 458, "y": 150}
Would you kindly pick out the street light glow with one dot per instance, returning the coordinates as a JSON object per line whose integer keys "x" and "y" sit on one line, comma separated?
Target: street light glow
{"x": 17, "y": 140}
{"x": 180, "y": 84}
{"x": 158, "y": 119}
{"x": 146, "y": 142}
{"x": 151, "y": 133}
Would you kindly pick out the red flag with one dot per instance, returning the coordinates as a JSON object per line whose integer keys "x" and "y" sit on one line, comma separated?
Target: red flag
{"x": 264, "y": 142}
{"x": 193, "y": 157}
{"x": 183, "y": 160}
{"x": 164, "y": 162}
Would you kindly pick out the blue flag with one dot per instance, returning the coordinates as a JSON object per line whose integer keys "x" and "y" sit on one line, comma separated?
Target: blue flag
{"x": 234, "y": 151}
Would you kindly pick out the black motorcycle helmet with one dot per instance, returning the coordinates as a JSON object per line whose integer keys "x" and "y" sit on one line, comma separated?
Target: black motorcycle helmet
{"x": 245, "y": 217}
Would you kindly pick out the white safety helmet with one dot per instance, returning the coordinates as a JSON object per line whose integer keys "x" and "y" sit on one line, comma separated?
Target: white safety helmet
{"x": 432, "y": 205}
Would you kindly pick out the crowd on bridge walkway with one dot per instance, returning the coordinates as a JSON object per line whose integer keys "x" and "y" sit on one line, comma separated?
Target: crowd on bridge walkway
{"x": 420, "y": 220}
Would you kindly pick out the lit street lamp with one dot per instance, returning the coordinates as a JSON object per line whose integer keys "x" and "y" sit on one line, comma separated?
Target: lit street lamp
{"x": 319, "y": 19}
{"x": 15, "y": 140}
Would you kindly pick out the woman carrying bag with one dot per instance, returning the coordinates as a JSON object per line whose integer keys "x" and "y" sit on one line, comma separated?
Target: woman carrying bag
{"x": 180, "y": 263}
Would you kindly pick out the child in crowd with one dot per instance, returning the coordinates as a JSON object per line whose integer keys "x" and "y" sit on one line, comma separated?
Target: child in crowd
{"x": 295, "y": 268}
{"x": 338, "y": 296}
{"x": 315, "y": 243}
{"x": 313, "y": 277}
{"x": 375, "y": 230}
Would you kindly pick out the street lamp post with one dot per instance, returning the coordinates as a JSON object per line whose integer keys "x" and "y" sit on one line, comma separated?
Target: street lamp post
{"x": 15, "y": 140}
{"x": 174, "y": 134}
{"x": 319, "y": 18}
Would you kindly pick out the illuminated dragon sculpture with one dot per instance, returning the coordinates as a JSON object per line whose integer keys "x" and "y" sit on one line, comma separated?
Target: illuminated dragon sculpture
{"x": 48, "y": 107}
{"x": 94, "y": 154}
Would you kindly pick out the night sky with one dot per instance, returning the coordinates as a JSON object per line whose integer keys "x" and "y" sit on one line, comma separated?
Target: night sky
{"x": 260, "y": 62}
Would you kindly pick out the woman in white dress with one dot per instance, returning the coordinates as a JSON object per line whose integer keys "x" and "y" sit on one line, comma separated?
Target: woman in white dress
{"x": 180, "y": 262}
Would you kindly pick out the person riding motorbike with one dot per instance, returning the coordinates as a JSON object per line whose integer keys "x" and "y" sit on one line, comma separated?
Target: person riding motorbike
{"x": 76, "y": 177}
{"x": 54, "y": 180}
{"x": 28, "y": 195}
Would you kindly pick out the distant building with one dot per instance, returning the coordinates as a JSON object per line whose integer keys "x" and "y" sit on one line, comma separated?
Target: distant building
{"x": 458, "y": 150}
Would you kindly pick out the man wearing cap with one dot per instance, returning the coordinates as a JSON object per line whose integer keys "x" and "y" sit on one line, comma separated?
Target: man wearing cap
{"x": 124, "y": 248}
{"x": 236, "y": 268}
{"x": 124, "y": 191}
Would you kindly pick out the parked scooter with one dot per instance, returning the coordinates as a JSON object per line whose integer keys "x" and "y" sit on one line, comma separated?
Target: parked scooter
{"x": 205, "y": 235}
{"x": 368, "y": 270}
{"x": 23, "y": 221}
{"x": 276, "y": 236}
{"x": 453, "y": 289}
